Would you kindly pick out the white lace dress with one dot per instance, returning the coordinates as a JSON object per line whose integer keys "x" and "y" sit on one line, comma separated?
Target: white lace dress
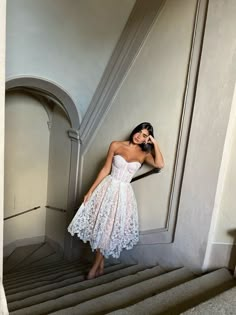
{"x": 109, "y": 219}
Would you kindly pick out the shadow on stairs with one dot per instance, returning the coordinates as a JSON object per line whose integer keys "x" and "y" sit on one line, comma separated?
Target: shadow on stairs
{"x": 39, "y": 281}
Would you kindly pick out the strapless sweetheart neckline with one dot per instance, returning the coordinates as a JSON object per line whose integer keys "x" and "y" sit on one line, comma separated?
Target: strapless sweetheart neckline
{"x": 126, "y": 160}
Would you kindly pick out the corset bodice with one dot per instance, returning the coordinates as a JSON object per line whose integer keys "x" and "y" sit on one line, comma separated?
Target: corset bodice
{"x": 123, "y": 170}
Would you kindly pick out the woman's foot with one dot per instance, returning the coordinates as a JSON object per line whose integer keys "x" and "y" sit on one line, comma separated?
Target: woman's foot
{"x": 100, "y": 270}
{"x": 98, "y": 266}
{"x": 91, "y": 275}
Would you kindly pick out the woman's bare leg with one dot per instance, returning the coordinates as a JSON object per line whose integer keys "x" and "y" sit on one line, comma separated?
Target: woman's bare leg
{"x": 96, "y": 265}
{"x": 101, "y": 267}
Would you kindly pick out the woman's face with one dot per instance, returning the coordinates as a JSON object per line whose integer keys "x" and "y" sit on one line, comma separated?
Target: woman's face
{"x": 141, "y": 136}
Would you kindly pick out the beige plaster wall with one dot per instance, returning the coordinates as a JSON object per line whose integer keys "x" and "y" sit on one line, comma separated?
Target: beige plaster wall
{"x": 152, "y": 91}
{"x": 222, "y": 236}
{"x": 26, "y": 166}
{"x": 58, "y": 175}
{"x": 66, "y": 42}
{"x": 204, "y": 173}
{"x": 225, "y": 229}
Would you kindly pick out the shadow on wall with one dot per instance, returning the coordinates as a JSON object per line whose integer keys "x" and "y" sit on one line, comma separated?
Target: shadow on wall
{"x": 232, "y": 259}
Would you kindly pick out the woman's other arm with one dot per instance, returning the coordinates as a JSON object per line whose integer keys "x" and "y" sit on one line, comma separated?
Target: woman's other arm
{"x": 104, "y": 171}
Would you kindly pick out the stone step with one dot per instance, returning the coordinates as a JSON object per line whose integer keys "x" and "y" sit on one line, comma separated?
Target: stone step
{"x": 52, "y": 259}
{"x": 224, "y": 303}
{"x": 18, "y": 255}
{"x": 71, "y": 303}
{"x": 21, "y": 279}
{"x": 117, "y": 270}
{"x": 129, "y": 295}
{"x": 66, "y": 271}
{"x": 53, "y": 277}
{"x": 34, "y": 264}
{"x": 44, "y": 283}
{"x": 38, "y": 255}
{"x": 34, "y": 268}
{"x": 81, "y": 274}
{"x": 76, "y": 287}
{"x": 179, "y": 298}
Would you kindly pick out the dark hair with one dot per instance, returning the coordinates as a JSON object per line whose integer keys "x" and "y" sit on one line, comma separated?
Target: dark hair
{"x": 145, "y": 125}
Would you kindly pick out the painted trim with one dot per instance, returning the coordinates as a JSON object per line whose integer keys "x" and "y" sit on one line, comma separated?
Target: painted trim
{"x": 72, "y": 187}
{"x": 73, "y": 134}
{"x": 209, "y": 125}
{"x": 137, "y": 28}
{"x": 166, "y": 234}
{"x": 58, "y": 95}
{"x": 51, "y": 89}
{"x": 45, "y": 101}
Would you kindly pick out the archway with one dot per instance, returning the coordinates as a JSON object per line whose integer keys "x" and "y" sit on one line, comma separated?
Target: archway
{"x": 51, "y": 92}
{"x": 49, "y": 89}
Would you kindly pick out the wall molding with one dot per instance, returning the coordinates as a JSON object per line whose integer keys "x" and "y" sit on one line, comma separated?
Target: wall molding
{"x": 210, "y": 121}
{"x": 137, "y": 28}
{"x": 72, "y": 187}
{"x": 47, "y": 102}
{"x": 50, "y": 89}
{"x": 73, "y": 134}
{"x": 166, "y": 234}
{"x": 60, "y": 97}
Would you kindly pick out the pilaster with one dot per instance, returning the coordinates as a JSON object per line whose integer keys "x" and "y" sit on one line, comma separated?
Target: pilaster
{"x": 74, "y": 136}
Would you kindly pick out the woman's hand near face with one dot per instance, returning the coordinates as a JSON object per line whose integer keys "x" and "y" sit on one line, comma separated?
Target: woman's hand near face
{"x": 151, "y": 139}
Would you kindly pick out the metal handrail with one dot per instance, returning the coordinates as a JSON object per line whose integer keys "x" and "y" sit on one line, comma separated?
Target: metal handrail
{"x": 153, "y": 171}
{"x": 20, "y": 213}
{"x": 55, "y": 208}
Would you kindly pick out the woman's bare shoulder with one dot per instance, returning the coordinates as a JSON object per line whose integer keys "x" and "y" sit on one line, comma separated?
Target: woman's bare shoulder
{"x": 116, "y": 145}
{"x": 119, "y": 143}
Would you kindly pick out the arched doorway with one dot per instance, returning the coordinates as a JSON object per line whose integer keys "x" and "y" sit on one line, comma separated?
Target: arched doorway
{"x": 63, "y": 121}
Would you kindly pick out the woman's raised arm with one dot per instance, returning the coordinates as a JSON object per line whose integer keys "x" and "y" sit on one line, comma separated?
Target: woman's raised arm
{"x": 156, "y": 160}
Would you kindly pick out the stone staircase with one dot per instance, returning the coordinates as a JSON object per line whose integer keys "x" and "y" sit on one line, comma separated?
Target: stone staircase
{"x": 39, "y": 281}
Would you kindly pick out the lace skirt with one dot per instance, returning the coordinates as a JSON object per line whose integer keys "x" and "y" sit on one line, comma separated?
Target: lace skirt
{"x": 109, "y": 219}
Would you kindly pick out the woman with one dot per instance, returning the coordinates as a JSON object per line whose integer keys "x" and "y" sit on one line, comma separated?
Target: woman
{"x": 108, "y": 217}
